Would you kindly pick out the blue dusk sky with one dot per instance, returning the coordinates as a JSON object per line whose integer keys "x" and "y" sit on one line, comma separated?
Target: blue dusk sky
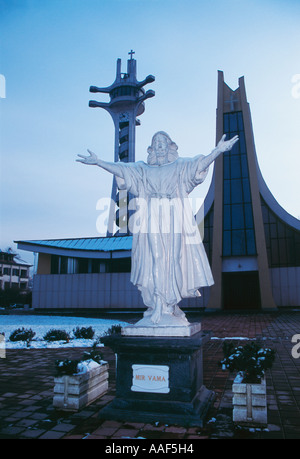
{"x": 51, "y": 51}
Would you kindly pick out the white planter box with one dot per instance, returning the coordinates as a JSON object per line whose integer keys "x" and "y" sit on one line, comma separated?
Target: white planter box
{"x": 250, "y": 403}
{"x": 74, "y": 392}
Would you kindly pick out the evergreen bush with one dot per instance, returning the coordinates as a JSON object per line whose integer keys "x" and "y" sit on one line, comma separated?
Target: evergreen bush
{"x": 251, "y": 361}
{"x": 93, "y": 354}
{"x": 114, "y": 330}
{"x": 70, "y": 367}
{"x": 66, "y": 367}
{"x": 57, "y": 335}
{"x": 22, "y": 334}
{"x": 84, "y": 332}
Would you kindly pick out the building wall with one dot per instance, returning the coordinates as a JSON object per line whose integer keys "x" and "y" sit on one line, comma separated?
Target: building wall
{"x": 94, "y": 291}
{"x": 286, "y": 286}
{"x": 13, "y": 275}
{"x": 44, "y": 264}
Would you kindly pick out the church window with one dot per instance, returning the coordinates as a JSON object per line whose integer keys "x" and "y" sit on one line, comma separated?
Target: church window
{"x": 238, "y": 227}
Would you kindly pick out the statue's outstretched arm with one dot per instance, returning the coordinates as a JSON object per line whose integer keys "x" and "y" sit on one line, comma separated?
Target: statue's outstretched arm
{"x": 223, "y": 145}
{"x": 93, "y": 160}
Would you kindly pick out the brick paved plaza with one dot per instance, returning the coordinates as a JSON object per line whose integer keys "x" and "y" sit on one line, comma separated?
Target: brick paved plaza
{"x": 26, "y": 388}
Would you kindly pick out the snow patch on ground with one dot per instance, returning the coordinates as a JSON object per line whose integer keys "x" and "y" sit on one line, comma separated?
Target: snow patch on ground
{"x": 42, "y": 324}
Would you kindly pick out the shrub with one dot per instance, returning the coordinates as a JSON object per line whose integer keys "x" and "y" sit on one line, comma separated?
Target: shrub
{"x": 57, "y": 335}
{"x": 66, "y": 367}
{"x": 250, "y": 360}
{"x": 93, "y": 354}
{"x": 114, "y": 330}
{"x": 22, "y": 334}
{"x": 70, "y": 367}
{"x": 84, "y": 332}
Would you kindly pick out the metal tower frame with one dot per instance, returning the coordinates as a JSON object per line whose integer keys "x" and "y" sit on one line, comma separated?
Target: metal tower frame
{"x": 127, "y": 96}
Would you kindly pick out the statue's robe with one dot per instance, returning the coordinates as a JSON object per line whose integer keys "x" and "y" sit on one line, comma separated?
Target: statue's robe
{"x": 168, "y": 256}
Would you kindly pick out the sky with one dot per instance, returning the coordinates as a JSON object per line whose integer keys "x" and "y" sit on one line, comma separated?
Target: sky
{"x": 52, "y": 51}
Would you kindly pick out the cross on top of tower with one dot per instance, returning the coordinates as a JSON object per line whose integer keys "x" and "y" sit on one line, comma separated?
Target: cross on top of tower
{"x": 131, "y": 53}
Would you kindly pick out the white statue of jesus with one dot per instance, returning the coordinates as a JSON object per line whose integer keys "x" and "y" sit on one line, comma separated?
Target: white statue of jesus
{"x": 167, "y": 263}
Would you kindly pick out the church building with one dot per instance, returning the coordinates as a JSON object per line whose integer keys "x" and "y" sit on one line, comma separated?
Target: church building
{"x": 252, "y": 243}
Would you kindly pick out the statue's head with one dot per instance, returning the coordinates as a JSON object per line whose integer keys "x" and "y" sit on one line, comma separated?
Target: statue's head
{"x": 162, "y": 150}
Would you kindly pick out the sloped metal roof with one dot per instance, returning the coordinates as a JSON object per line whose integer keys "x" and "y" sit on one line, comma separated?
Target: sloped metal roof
{"x": 102, "y": 244}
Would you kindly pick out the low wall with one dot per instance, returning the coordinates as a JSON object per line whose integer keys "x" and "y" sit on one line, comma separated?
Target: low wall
{"x": 99, "y": 291}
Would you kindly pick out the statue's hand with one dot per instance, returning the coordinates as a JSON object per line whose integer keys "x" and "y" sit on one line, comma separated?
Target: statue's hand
{"x": 92, "y": 159}
{"x": 226, "y": 145}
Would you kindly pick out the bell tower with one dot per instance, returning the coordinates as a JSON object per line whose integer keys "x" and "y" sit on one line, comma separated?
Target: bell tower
{"x": 127, "y": 96}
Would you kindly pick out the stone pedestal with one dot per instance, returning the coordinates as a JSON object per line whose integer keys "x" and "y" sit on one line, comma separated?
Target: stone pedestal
{"x": 159, "y": 379}
{"x": 167, "y": 326}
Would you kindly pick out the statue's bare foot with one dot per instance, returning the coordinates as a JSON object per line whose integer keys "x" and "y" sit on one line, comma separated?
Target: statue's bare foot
{"x": 169, "y": 309}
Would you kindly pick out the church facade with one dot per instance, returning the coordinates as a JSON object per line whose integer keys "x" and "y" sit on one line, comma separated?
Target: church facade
{"x": 252, "y": 243}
